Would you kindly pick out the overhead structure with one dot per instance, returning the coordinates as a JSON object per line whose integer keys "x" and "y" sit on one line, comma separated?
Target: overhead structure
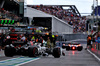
{"x": 39, "y": 18}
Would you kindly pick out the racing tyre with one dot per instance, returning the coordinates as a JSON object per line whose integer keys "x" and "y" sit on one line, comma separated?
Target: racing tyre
{"x": 9, "y": 51}
{"x": 67, "y": 48}
{"x": 32, "y": 52}
{"x": 80, "y": 48}
{"x": 56, "y": 52}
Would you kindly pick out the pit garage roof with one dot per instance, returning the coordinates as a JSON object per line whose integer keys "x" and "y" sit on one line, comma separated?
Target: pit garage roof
{"x": 35, "y": 13}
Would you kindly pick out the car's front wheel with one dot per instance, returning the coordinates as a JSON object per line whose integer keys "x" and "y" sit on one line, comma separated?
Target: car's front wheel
{"x": 56, "y": 52}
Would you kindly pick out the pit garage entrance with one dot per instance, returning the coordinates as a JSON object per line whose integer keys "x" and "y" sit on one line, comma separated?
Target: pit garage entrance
{"x": 42, "y": 21}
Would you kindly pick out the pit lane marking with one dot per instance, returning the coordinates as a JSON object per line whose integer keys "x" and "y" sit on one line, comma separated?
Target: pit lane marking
{"x": 27, "y": 62}
{"x": 94, "y": 55}
{"x": 17, "y": 61}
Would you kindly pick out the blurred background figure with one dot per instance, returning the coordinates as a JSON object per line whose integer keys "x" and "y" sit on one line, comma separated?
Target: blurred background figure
{"x": 1, "y": 37}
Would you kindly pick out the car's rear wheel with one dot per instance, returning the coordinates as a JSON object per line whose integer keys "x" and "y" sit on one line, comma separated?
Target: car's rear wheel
{"x": 32, "y": 52}
{"x": 80, "y": 48}
{"x": 9, "y": 51}
{"x": 67, "y": 48}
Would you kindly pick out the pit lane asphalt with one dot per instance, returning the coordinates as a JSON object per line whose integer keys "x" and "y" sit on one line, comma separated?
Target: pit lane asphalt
{"x": 72, "y": 58}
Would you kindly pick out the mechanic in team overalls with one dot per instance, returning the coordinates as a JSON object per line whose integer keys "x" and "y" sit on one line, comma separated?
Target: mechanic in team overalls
{"x": 48, "y": 43}
{"x": 88, "y": 42}
{"x": 29, "y": 38}
{"x": 33, "y": 38}
{"x": 19, "y": 37}
{"x": 41, "y": 40}
{"x": 7, "y": 40}
{"x": 23, "y": 38}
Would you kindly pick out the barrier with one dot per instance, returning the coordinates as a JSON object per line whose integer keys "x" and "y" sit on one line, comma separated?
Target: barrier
{"x": 75, "y": 36}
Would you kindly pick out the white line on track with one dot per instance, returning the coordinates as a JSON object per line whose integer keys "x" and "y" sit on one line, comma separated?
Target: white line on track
{"x": 8, "y": 59}
{"x": 27, "y": 62}
{"x": 94, "y": 55}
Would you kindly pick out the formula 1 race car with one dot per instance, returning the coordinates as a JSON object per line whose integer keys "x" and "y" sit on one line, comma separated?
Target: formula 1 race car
{"x": 31, "y": 50}
{"x": 72, "y": 46}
